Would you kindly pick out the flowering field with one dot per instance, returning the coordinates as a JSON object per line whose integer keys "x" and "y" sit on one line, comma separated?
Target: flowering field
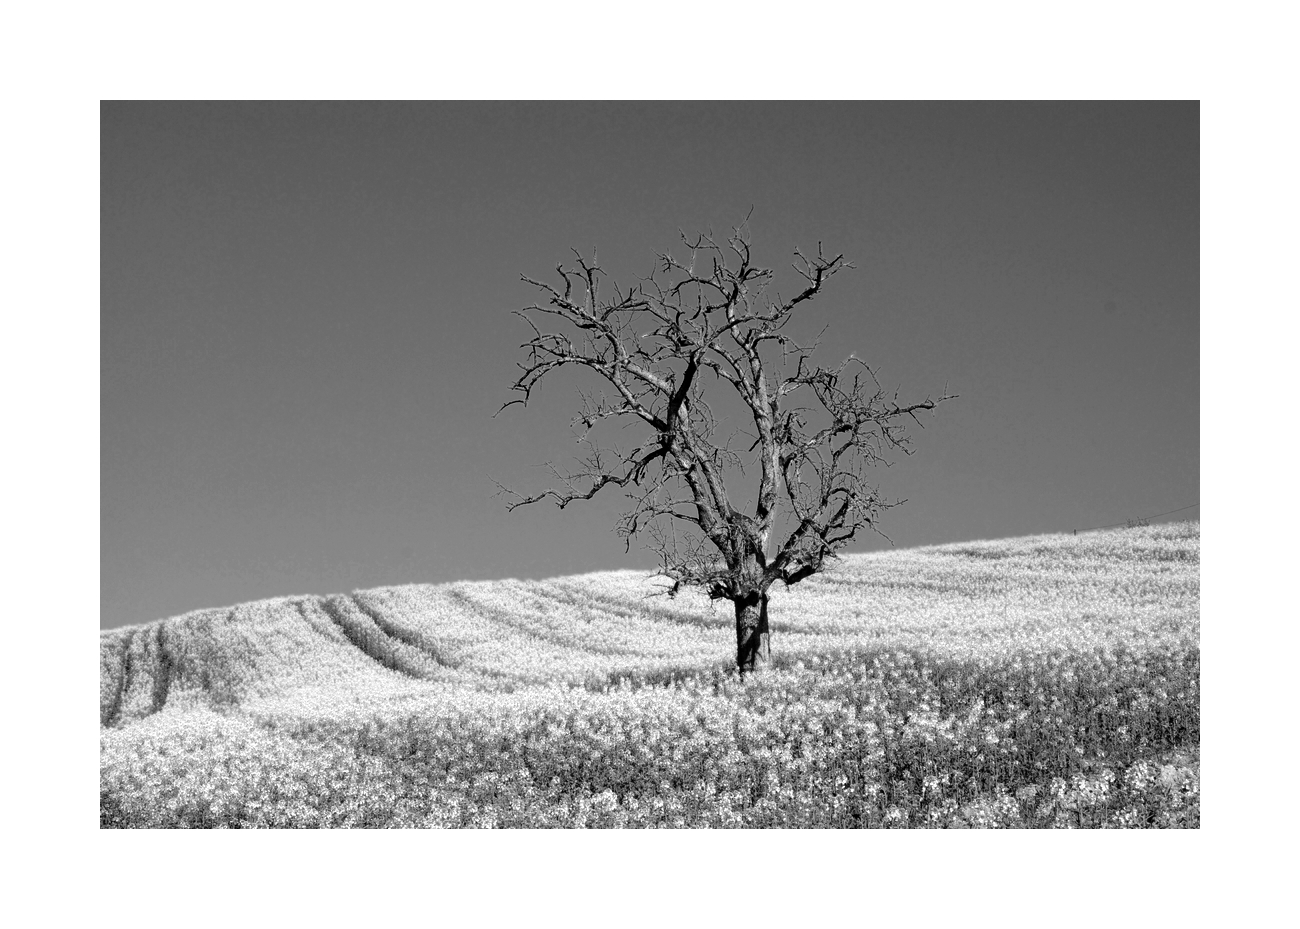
{"x": 1048, "y": 681}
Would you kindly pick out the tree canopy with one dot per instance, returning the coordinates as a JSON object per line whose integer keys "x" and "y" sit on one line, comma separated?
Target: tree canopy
{"x": 664, "y": 351}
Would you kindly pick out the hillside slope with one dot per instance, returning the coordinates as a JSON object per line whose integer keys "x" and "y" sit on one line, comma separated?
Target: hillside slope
{"x": 1046, "y": 681}
{"x": 1029, "y": 594}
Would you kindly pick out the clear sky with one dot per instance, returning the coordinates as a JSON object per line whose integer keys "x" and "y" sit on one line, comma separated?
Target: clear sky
{"x": 305, "y": 326}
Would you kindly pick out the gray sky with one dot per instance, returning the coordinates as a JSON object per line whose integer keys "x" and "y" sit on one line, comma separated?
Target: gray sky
{"x": 305, "y": 325}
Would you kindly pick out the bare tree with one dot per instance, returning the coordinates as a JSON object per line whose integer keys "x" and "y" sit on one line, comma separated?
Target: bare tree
{"x": 706, "y": 324}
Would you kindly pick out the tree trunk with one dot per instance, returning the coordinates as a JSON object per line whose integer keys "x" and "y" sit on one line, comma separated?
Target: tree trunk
{"x": 751, "y": 632}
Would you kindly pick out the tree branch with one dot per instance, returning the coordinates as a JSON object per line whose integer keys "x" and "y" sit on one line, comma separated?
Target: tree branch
{"x": 709, "y": 311}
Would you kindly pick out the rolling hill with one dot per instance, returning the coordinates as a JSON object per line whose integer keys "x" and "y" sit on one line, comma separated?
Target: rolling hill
{"x": 913, "y": 687}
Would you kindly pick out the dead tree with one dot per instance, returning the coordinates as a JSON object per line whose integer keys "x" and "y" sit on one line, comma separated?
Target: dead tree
{"x": 664, "y": 351}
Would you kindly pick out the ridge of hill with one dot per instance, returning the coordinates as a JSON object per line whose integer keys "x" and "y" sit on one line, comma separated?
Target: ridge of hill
{"x": 1032, "y": 594}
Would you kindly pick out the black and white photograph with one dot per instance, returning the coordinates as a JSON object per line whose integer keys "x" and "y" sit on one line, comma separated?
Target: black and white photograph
{"x": 680, "y": 465}
{"x": 650, "y": 465}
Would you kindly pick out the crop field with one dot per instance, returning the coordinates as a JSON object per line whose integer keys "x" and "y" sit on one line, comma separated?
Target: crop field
{"x": 1040, "y": 682}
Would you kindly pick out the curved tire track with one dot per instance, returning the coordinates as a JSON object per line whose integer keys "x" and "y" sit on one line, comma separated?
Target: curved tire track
{"x": 166, "y": 666}
{"x": 113, "y": 713}
{"x": 399, "y": 650}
